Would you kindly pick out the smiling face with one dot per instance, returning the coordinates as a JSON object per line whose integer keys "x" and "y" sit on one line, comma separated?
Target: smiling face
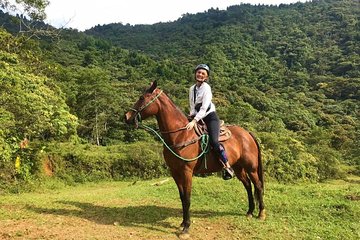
{"x": 201, "y": 75}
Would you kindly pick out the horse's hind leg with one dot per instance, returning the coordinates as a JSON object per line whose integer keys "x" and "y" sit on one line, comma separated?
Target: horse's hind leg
{"x": 259, "y": 192}
{"x": 242, "y": 176}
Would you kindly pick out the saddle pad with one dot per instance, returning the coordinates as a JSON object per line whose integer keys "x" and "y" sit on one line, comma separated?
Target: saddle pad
{"x": 225, "y": 133}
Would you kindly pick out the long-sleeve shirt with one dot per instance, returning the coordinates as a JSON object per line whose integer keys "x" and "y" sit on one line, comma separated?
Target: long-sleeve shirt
{"x": 204, "y": 97}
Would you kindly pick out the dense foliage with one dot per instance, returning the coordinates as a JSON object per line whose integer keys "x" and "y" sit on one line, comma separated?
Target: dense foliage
{"x": 288, "y": 73}
{"x": 34, "y": 9}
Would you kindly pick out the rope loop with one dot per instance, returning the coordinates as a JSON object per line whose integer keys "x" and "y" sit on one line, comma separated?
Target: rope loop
{"x": 204, "y": 144}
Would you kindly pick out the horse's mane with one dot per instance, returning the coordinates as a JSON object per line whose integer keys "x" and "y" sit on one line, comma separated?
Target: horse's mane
{"x": 175, "y": 106}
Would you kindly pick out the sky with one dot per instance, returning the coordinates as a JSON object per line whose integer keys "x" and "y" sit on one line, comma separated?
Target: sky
{"x": 84, "y": 14}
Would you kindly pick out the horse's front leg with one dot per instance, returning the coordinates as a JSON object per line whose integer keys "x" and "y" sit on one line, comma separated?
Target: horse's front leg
{"x": 184, "y": 183}
{"x": 185, "y": 201}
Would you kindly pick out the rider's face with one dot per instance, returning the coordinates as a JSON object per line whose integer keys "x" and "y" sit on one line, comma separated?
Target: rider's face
{"x": 201, "y": 75}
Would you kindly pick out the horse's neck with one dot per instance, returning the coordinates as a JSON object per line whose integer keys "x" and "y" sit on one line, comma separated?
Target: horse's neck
{"x": 170, "y": 117}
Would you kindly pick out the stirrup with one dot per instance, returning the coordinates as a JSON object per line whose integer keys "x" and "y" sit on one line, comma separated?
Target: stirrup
{"x": 227, "y": 173}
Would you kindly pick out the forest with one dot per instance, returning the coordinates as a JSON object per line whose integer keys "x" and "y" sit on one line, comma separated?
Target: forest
{"x": 289, "y": 73}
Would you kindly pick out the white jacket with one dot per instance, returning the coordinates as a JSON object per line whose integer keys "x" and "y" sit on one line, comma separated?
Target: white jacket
{"x": 204, "y": 97}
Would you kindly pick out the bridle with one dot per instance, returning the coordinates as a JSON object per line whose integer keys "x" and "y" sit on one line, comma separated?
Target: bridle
{"x": 137, "y": 117}
{"x": 138, "y": 111}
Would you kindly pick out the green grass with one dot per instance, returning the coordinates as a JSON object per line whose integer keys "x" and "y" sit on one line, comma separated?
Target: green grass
{"x": 146, "y": 211}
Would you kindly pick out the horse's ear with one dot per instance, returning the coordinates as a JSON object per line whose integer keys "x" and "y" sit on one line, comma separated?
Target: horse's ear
{"x": 152, "y": 87}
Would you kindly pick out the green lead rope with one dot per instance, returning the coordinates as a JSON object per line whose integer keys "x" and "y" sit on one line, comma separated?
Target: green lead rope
{"x": 204, "y": 145}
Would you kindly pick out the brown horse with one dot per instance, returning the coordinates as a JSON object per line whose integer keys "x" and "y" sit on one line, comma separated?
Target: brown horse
{"x": 242, "y": 149}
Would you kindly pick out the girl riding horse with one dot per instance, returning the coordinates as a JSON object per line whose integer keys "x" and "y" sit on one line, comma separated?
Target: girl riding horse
{"x": 243, "y": 151}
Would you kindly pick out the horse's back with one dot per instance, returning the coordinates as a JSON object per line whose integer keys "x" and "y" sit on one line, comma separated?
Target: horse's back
{"x": 241, "y": 136}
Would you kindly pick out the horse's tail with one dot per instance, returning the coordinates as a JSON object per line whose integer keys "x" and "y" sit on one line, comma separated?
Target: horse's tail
{"x": 260, "y": 166}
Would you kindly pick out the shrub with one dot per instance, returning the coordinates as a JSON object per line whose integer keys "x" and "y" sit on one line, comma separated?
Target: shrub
{"x": 287, "y": 160}
{"x": 142, "y": 161}
{"x": 84, "y": 162}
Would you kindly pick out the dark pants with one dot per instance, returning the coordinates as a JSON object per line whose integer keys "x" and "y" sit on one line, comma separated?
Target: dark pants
{"x": 213, "y": 125}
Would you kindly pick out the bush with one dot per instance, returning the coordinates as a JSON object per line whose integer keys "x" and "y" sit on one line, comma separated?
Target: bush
{"x": 142, "y": 161}
{"x": 329, "y": 166}
{"x": 84, "y": 162}
{"x": 287, "y": 160}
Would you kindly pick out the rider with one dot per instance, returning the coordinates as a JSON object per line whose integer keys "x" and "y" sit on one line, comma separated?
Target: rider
{"x": 201, "y": 107}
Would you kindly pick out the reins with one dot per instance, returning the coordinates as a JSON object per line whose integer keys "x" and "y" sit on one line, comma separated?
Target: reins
{"x": 204, "y": 144}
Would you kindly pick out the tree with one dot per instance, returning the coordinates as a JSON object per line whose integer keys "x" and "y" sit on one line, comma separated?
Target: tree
{"x": 35, "y": 9}
{"x": 29, "y": 16}
{"x": 95, "y": 103}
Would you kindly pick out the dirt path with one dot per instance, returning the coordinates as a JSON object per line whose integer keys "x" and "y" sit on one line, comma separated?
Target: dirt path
{"x": 64, "y": 227}
{"x": 105, "y": 211}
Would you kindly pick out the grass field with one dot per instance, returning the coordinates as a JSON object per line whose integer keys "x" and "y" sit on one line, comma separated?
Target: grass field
{"x": 146, "y": 210}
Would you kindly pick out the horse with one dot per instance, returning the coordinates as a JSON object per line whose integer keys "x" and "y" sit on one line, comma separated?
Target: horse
{"x": 242, "y": 149}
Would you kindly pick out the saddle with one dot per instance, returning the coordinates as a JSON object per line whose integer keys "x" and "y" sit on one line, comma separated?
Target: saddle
{"x": 225, "y": 133}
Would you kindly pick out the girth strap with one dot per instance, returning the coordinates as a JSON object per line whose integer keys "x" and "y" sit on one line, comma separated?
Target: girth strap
{"x": 185, "y": 144}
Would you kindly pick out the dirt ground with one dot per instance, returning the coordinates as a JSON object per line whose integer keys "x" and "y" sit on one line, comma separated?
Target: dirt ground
{"x": 73, "y": 227}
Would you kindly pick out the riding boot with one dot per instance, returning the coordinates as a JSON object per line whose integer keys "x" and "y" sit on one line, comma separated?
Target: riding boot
{"x": 227, "y": 172}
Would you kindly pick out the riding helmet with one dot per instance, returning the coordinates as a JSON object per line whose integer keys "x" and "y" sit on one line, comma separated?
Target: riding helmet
{"x": 203, "y": 66}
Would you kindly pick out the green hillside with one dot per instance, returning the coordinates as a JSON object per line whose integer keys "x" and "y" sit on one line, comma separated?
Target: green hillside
{"x": 288, "y": 73}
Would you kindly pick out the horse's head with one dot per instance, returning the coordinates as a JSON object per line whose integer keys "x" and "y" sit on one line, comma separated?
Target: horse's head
{"x": 145, "y": 106}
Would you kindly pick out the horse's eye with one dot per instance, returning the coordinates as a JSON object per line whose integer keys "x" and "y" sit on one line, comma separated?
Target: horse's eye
{"x": 142, "y": 98}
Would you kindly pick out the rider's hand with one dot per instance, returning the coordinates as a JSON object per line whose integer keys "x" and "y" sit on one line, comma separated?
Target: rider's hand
{"x": 191, "y": 125}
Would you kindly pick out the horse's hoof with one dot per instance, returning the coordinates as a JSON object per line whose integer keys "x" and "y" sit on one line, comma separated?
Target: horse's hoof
{"x": 183, "y": 233}
{"x": 184, "y": 236}
{"x": 181, "y": 229}
{"x": 249, "y": 215}
{"x": 262, "y": 215}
